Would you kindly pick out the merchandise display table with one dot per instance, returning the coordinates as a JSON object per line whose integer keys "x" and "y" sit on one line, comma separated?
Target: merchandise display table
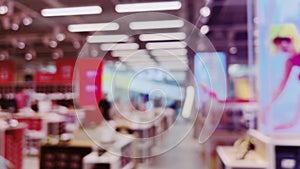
{"x": 276, "y": 151}
{"x": 116, "y": 155}
{"x": 228, "y": 158}
{"x": 64, "y": 155}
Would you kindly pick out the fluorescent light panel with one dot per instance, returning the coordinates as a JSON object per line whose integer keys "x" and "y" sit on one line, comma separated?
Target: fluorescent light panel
{"x": 162, "y": 24}
{"x": 90, "y": 27}
{"x": 136, "y": 58}
{"x": 166, "y": 45}
{"x": 162, "y": 36}
{"x": 129, "y": 53}
{"x": 169, "y": 52}
{"x": 151, "y": 6}
{"x": 69, "y": 11}
{"x": 167, "y": 59}
{"x": 174, "y": 63}
{"x": 107, "y": 38}
{"x": 121, "y": 46}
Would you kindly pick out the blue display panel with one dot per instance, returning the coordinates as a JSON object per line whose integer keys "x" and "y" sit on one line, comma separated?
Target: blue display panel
{"x": 210, "y": 74}
{"x": 279, "y": 66}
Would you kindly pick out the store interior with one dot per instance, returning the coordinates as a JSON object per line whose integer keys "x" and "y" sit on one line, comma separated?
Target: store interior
{"x": 148, "y": 84}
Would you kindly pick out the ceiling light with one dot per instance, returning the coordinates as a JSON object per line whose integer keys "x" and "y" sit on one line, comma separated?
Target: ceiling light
{"x": 162, "y": 36}
{"x": 169, "y": 52}
{"x": 15, "y": 26}
{"x": 3, "y": 9}
{"x": 21, "y": 45}
{"x": 76, "y": 44}
{"x": 128, "y": 53}
{"x": 151, "y": 6}
{"x": 83, "y": 10}
{"x": 174, "y": 63}
{"x": 205, "y": 11}
{"x": 166, "y": 45}
{"x": 233, "y": 50}
{"x": 204, "y": 29}
{"x": 107, "y": 38}
{"x": 93, "y": 27}
{"x": 28, "y": 56}
{"x": 156, "y": 24}
{"x": 120, "y": 46}
{"x": 164, "y": 58}
{"x": 136, "y": 59}
{"x": 180, "y": 67}
{"x": 27, "y": 21}
{"x": 3, "y": 55}
{"x": 58, "y": 53}
{"x": 94, "y": 53}
{"x": 60, "y": 37}
{"x": 53, "y": 44}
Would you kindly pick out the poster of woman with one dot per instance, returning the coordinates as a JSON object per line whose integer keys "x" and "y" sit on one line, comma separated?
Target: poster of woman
{"x": 279, "y": 66}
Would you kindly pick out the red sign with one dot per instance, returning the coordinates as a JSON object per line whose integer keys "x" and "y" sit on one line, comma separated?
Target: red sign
{"x": 44, "y": 78}
{"x": 90, "y": 73}
{"x": 65, "y": 69}
{"x": 7, "y": 72}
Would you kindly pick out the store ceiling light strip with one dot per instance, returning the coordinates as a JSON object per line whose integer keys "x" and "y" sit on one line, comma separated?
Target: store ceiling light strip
{"x": 107, "y": 38}
{"x": 69, "y": 11}
{"x": 163, "y": 36}
{"x": 91, "y": 27}
{"x": 166, "y": 45}
{"x": 162, "y": 24}
{"x": 128, "y": 53}
{"x": 174, "y": 64}
{"x": 136, "y": 58}
{"x": 171, "y": 59}
{"x": 151, "y": 6}
{"x": 122, "y": 46}
{"x": 169, "y": 52}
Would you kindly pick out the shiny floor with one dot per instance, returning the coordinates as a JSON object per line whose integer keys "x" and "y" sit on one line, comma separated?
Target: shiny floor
{"x": 185, "y": 155}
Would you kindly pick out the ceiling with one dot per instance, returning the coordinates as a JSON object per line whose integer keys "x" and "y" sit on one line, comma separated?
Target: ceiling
{"x": 227, "y": 23}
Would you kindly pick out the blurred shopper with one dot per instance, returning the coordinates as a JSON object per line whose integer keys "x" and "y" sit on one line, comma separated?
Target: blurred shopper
{"x": 286, "y": 45}
{"x": 104, "y": 106}
{"x": 5, "y": 164}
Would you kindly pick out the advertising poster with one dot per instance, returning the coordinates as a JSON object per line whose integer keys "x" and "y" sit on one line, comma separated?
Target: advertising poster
{"x": 90, "y": 85}
{"x": 7, "y": 72}
{"x": 65, "y": 69}
{"x": 209, "y": 73}
{"x": 278, "y": 61}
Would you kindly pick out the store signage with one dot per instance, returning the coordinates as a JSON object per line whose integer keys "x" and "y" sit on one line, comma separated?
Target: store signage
{"x": 90, "y": 84}
{"x": 65, "y": 69}
{"x": 44, "y": 78}
{"x": 279, "y": 66}
{"x": 7, "y": 72}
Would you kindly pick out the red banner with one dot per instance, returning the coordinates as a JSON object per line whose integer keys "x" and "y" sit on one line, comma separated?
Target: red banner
{"x": 90, "y": 73}
{"x": 7, "y": 72}
{"x": 43, "y": 78}
{"x": 65, "y": 69}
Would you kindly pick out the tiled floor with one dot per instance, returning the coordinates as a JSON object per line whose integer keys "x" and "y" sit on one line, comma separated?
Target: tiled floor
{"x": 184, "y": 155}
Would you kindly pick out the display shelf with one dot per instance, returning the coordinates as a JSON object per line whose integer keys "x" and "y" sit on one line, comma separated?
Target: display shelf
{"x": 64, "y": 155}
{"x": 279, "y": 150}
{"x": 12, "y": 144}
{"x": 117, "y": 155}
{"x": 228, "y": 157}
{"x": 219, "y": 138}
{"x": 106, "y": 160}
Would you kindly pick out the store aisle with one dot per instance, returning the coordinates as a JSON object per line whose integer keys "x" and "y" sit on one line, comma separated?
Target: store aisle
{"x": 185, "y": 155}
